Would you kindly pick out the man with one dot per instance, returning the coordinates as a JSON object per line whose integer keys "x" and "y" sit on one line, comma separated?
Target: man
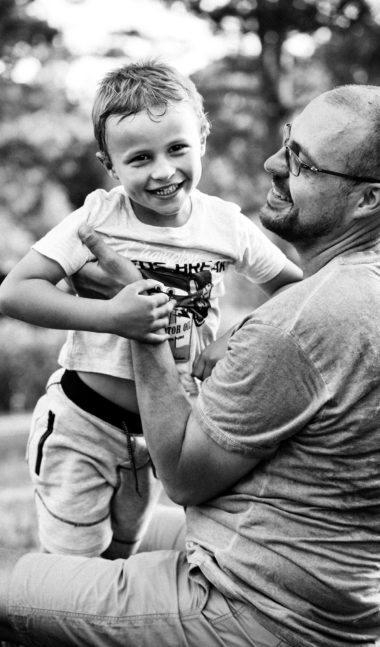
{"x": 278, "y": 462}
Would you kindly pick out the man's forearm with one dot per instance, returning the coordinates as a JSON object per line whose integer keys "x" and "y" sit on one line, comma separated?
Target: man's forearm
{"x": 163, "y": 404}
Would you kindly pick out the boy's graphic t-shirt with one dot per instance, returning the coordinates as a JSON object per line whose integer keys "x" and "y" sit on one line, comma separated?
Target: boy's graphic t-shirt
{"x": 190, "y": 261}
{"x": 192, "y": 292}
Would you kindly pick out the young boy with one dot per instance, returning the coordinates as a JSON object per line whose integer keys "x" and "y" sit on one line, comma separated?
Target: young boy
{"x": 94, "y": 482}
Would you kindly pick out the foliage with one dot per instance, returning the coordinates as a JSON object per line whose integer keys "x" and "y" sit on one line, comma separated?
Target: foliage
{"x": 56, "y": 167}
{"x": 28, "y": 355}
{"x": 273, "y": 21}
{"x": 21, "y": 33}
{"x": 353, "y": 56}
{"x": 46, "y": 169}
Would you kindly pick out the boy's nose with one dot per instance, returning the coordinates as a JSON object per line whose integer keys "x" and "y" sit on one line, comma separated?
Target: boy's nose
{"x": 276, "y": 164}
{"x": 163, "y": 170}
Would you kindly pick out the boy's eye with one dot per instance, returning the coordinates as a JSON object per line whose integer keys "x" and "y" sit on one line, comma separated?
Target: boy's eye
{"x": 179, "y": 148}
{"x": 139, "y": 159}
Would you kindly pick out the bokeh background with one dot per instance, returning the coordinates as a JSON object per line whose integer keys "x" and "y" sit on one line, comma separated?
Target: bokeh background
{"x": 256, "y": 62}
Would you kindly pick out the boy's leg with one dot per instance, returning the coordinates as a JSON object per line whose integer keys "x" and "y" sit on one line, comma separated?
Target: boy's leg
{"x": 72, "y": 466}
{"x": 133, "y": 501}
{"x": 93, "y": 481}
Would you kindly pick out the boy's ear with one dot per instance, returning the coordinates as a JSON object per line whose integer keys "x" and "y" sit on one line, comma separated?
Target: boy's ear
{"x": 203, "y": 144}
{"x": 106, "y": 162}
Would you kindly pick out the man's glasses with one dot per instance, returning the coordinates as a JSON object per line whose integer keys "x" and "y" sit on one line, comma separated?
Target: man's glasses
{"x": 294, "y": 163}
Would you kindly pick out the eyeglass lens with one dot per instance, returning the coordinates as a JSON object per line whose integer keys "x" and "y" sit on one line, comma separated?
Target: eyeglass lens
{"x": 291, "y": 158}
{"x": 286, "y": 134}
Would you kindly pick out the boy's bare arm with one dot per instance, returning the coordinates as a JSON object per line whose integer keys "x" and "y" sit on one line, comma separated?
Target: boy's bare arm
{"x": 29, "y": 293}
{"x": 290, "y": 273}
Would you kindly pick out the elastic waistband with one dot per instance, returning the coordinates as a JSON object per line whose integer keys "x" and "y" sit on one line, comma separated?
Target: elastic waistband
{"x": 92, "y": 402}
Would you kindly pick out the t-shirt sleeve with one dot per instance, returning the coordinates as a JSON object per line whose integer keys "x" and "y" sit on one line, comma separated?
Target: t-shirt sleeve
{"x": 263, "y": 391}
{"x": 62, "y": 243}
{"x": 259, "y": 259}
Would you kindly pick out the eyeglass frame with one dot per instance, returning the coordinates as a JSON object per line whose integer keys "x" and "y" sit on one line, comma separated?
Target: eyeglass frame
{"x": 289, "y": 153}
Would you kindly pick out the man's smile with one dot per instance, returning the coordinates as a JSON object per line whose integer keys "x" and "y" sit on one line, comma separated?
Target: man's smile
{"x": 281, "y": 194}
{"x": 277, "y": 195}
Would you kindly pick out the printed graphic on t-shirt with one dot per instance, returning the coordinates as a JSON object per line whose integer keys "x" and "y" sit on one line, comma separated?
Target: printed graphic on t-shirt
{"x": 192, "y": 291}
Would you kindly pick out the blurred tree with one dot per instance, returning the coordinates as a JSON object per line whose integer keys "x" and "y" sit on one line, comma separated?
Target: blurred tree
{"x": 273, "y": 21}
{"x": 352, "y": 55}
{"x": 45, "y": 170}
{"x": 21, "y": 33}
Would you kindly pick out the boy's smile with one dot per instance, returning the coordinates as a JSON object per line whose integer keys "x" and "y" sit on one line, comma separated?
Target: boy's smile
{"x": 157, "y": 159}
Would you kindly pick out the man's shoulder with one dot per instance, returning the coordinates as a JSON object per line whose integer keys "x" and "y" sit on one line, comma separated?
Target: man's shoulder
{"x": 329, "y": 299}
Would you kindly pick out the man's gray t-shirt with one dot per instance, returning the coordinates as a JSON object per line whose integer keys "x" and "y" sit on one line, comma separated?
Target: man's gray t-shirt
{"x": 299, "y": 536}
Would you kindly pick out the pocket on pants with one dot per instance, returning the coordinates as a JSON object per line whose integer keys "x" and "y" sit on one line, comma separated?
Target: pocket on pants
{"x": 41, "y": 430}
{"x": 42, "y": 441}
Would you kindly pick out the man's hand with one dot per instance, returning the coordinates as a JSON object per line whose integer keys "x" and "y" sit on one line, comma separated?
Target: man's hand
{"x": 206, "y": 361}
{"x": 102, "y": 280}
{"x": 131, "y": 313}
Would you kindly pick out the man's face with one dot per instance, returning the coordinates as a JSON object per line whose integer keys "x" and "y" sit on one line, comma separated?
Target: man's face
{"x": 157, "y": 159}
{"x": 312, "y": 205}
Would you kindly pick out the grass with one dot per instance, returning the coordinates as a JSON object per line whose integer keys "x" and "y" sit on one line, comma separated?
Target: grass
{"x": 17, "y": 512}
{"x": 18, "y": 526}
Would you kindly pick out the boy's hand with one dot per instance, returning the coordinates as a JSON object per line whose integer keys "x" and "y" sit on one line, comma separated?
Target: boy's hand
{"x": 131, "y": 313}
{"x": 137, "y": 315}
{"x": 206, "y": 361}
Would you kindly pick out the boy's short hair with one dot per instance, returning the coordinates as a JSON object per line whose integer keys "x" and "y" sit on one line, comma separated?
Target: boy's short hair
{"x": 142, "y": 86}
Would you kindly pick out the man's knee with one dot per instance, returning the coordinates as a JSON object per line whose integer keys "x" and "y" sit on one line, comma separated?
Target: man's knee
{"x": 8, "y": 559}
{"x": 8, "y": 634}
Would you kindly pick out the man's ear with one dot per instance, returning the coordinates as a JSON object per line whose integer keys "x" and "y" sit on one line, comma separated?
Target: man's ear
{"x": 369, "y": 201}
{"x": 106, "y": 162}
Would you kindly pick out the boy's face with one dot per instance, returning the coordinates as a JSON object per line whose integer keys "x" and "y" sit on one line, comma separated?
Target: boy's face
{"x": 157, "y": 159}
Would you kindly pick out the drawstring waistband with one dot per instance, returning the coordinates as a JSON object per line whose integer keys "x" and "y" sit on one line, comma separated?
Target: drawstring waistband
{"x": 92, "y": 402}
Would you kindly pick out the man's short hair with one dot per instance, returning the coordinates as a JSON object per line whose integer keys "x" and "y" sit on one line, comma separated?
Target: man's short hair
{"x": 143, "y": 86}
{"x": 363, "y": 102}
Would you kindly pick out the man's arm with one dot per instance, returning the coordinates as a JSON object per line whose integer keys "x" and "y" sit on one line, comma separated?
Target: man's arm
{"x": 192, "y": 467}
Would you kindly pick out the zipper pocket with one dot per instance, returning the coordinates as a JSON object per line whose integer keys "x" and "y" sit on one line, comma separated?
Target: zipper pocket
{"x": 42, "y": 441}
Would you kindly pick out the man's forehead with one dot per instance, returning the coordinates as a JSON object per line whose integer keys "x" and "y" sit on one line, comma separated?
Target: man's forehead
{"x": 322, "y": 123}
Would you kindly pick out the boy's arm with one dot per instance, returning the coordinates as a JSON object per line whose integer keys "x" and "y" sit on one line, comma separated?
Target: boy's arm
{"x": 29, "y": 293}
{"x": 290, "y": 273}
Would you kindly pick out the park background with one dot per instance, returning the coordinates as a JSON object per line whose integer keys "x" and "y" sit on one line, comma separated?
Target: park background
{"x": 256, "y": 62}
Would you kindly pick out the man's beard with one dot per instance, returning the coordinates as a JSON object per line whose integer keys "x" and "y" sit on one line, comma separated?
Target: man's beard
{"x": 287, "y": 225}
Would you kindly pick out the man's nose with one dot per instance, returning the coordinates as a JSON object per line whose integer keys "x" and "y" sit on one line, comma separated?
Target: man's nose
{"x": 163, "y": 169}
{"x": 276, "y": 164}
